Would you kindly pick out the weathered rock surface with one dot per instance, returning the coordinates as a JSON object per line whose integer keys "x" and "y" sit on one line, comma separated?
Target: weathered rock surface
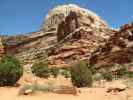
{"x": 84, "y": 16}
{"x": 117, "y": 49}
{"x": 71, "y": 33}
{"x": 79, "y": 46}
{"x": 28, "y": 47}
{"x": 80, "y": 43}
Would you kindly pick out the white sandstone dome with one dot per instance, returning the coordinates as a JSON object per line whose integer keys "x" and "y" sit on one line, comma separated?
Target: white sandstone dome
{"x": 85, "y": 17}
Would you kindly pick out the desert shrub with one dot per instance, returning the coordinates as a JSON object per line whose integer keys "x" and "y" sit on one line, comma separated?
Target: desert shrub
{"x": 107, "y": 76}
{"x": 32, "y": 88}
{"x": 10, "y": 70}
{"x": 129, "y": 74}
{"x": 81, "y": 75}
{"x": 66, "y": 73}
{"x": 121, "y": 72}
{"x": 108, "y": 71}
{"x": 54, "y": 71}
{"x": 124, "y": 72}
{"x": 116, "y": 71}
{"x": 41, "y": 70}
{"x": 97, "y": 77}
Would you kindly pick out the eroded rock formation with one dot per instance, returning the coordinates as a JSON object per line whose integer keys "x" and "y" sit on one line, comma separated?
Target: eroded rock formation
{"x": 59, "y": 23}
{"x": 81, "y": 43}
{"x": 117, "y": 49}
{"x": 68, "y": 26}
{"x": 84, "y": 16}
{"x": 71, "y": 33}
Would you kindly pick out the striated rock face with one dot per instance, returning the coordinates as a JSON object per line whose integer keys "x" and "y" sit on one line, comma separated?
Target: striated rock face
{"x": 79, "y": 45}
{"x": 28, "y": 47}
{"x": 117, "y": 49}
{"x": 81, "y": 42}
{"x": 58, "y": 14}
{"x": 70, "y": 33}
{"x": 59, "y": 23}
{"x": 85, "y": 31}
{"x": 20, "y": 43}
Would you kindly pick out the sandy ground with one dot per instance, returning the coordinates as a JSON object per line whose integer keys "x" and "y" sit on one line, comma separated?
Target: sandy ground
{"x": 11, "y": 93}
{"x": 88, "y": 94}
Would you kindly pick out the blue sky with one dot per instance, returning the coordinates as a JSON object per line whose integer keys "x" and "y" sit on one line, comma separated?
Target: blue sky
{"x": 23, "y": 16}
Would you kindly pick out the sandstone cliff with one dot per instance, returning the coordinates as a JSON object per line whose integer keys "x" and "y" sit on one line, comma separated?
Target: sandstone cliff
{"x": 117, "y": 49}
{"x": 70, "y": 33}
{"x": 59, "y": 13}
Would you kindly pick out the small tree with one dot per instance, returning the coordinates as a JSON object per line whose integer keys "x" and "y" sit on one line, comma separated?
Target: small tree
{"x": 10, "y": 70}
{"x": 41, "y": 70}
{"x": 81, "y": 75}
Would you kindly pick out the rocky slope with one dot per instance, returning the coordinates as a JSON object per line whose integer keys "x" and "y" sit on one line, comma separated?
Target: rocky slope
{"x": 28, "y": 47}
{"x": 117, "y": 49}
{"x": 83, "y": 30}
{"x": 70, "y": 33}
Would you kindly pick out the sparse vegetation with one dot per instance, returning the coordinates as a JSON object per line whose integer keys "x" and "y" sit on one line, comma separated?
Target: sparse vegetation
{"x": 32, "y": 88}
{"x": 125, "y": 71}
{"x": 10, "y": 70}
{"x": 54, "y": 71}
{"x": 114, "y": 71}
{"x": 107, "y": 76}
{"x": 81, "y": 75}
{"x": 41, "y": 70}
{"x": 107, "y": 71}
{"x": 66, "y": 73}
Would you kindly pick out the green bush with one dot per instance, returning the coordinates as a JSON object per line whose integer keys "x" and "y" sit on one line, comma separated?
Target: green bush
{"x": 10, "y": 70}
{"x": 123, "y": 72}
{"x": 54, "y": 71}
{"x": 41, "y": 70}
{"x": 66, "y": 73}
{"x": 81, "y": 75}
{"x": 107, "y": 76}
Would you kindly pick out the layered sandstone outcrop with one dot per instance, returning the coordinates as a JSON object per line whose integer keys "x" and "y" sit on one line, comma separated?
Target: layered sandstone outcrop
{"x": 117, "y": 49}
{"x": 85, "y": 17}
{"x": 60, "y": 22}
{"x": 85, "y": 32}
{"x": 70, "y": 33}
